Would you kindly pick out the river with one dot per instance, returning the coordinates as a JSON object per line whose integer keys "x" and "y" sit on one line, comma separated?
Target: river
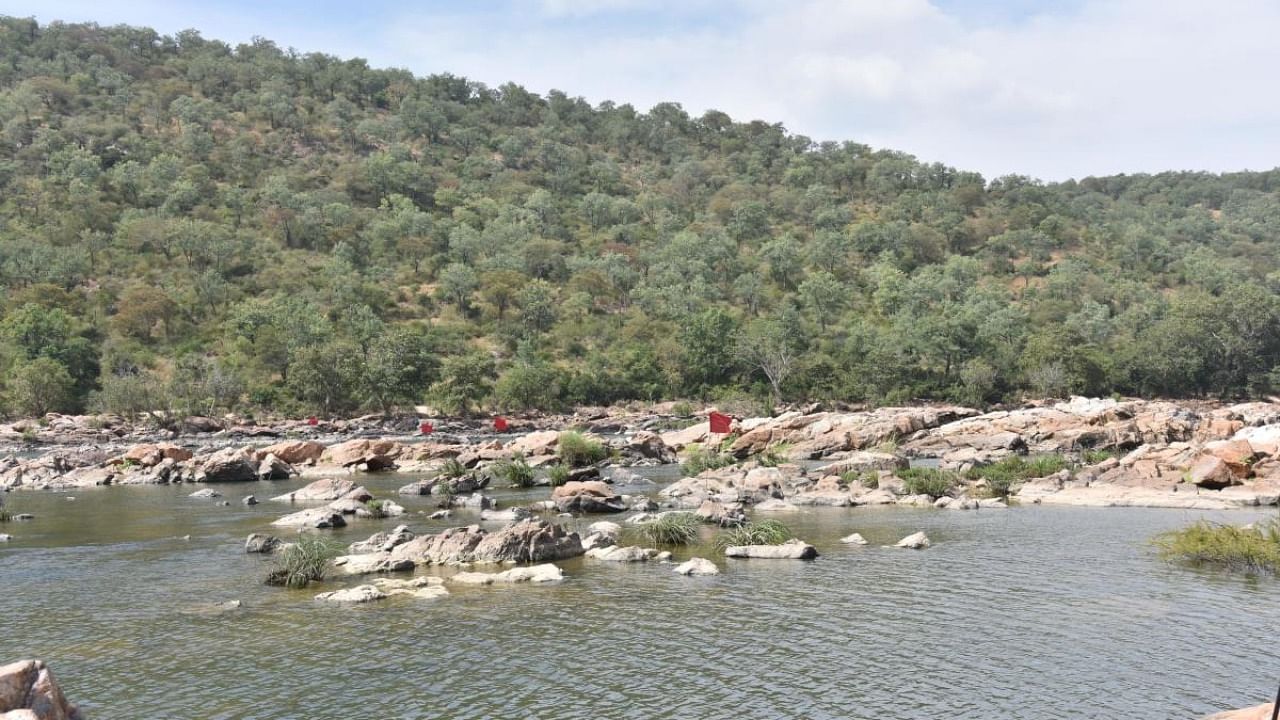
{"x": 1024, "y": 613}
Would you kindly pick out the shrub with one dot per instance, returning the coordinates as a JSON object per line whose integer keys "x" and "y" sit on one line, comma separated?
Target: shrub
{"x": 376, "y": 508}
{"x": 928, "y": 481}
{"x": 577, "y": 450}
{"x": 1250, "y": 550}
{"x": 446, "y": 491}
{"x": 682, "y": 409}
{"x": 1002, "y": 476}
{"x": 673, "y": 528}
{"x": 5, "y": 515}
{"x": 699, "y": 459}
{"x": 558, "y": 474}
{"x": 513, "y": 472}
{"x": 763, "y": 532}
{"x": 307, "y": 560}
{"x": 1093, "y": 457}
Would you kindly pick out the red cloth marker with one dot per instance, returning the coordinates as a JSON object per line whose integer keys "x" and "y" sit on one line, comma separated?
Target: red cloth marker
{"x": 427, "y": 428}
{"x": 500, "y": 424}
{"x": 720, "y": 423}
{"x": 313, "y": 421}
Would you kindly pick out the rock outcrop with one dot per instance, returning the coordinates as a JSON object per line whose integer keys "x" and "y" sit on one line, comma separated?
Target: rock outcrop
{"x": 790, "y": 550}
{"x": 590, "y": 496}
{"x": 28, "y": 691}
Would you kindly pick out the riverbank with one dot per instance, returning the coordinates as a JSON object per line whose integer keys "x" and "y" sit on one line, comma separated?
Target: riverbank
{"x": 1112, "y": 453}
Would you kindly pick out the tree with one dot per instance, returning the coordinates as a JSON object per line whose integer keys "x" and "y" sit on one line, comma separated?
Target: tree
{"x": 465, "y": 381}
{"x": 399, "y": 367}
{"x": 772, "y": 347}
{"x": 40, "y": 386}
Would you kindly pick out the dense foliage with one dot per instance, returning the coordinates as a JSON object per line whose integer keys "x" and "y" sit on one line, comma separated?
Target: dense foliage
{"x": 190, "y": 226}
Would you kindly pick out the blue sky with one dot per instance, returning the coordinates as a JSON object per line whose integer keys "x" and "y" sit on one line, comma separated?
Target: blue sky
{"x": 1049, "y": 88}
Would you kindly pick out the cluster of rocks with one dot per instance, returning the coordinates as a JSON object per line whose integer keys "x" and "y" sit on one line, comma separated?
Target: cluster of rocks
{"x": 28, "y": 691}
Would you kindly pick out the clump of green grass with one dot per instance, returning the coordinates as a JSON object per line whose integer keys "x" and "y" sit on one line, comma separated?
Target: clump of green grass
{"x": 762, "y": 532}
{"x": 1252, "y": 551}
{"x": 1002, "y": 476}
{"x": 869, "y": 479}
{"x": 453, "y": 469}
{"x": 558, "y": 474}
{"x": 513, "y": 472}
{"x": 577, "y": 450}
{"x": 376, "y": 508}
{"x": 682, "y": 409}
{"x": 1093, "y": 457}
{"x": 446, "y": 491}
{"x": 5, "y": 515}
{"x": 928, "y": 481}
{"x": 673, "y": 528}
{"x": 699, "y": 459}
{"x": 307, "y": 560}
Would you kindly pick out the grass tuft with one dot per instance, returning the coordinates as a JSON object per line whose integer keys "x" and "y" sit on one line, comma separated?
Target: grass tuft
{"x": 514, "y": 472}
{"x": 928, "y": 481}
{"x": 307, "y": 560}
{"x": 1002, "y": 477}
{"x": 675, "y": 528}
{"x": 558, "y": 474}
{"x": 1252, "y": 550}
{"x": 700, "y": 459}
{"x": 763, "y": 532}
{"x": 578, "y": 450}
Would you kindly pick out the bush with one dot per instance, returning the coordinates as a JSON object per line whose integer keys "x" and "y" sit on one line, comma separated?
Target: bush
{"x": 673, "y": 528}
{"x": 577, "y": 450}
{"x": 682, "y": 409}
{"x": 869, "y": 479}
{"x": 763, "y": 532}
{"x": 1093, "y": 457}
{"x": 699, "y": 459}
{"x": 928, "y": 481}
{"x": 514, "y": 472}
{"x": 307, "y": 560}
{"x": 558, "y": 474}
{"x": 376, "y": 508}
{"x": 1253, "y": 550}
{"x": 5, "y": 515}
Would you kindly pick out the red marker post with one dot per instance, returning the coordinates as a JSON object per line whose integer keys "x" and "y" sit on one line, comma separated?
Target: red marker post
{"x": 720, "y": 423}
{"x": 500, "y": 424}
{"x": 313, "y": 421}
{"x": 426, "y": 428}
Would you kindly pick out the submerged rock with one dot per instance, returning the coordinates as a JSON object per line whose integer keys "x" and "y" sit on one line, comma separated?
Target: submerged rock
{"x": 533, "y": 574}
{"x": 259, "y": 543}
{"x": 697, "y": 566}
{"x": 854, "y": 539}
{"x": 357, "y": 594}
{"x": 915, "y": 541}
{"x": 630, "y": 553}
{"x": 205, "y": 494}
{"x": 327, "y": 489}
{"x": 318, "y": 518}
{"x": 790, "y": 550}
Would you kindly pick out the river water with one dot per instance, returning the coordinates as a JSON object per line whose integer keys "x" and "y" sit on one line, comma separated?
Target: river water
{"x": 1024, "y": 613}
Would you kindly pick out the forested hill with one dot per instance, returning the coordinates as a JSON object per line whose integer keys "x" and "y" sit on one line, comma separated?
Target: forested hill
{"x": 200, "y": 227}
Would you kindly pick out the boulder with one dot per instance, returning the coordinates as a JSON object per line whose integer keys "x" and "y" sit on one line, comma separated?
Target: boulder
{"x": 293, "y": 452}
{"x": 697, "y": 566}
{"x": 205, "y": 494}
{"x": 535, "y": 444}
{"x": 591, "y": 496}
{"x": 790, "y": 550}
{"x": 370, "y": 563}
{"x": 854, "y": 539}
{"x": 532, "y": 541}
{"x": 915, "y": 541}
{"x": 508, "y": 515}
{"x": 475, "y": 501}
{"x": 370, "y": 455}
{"x": 650, "y": 445}
{"x": 249, "y": 500}
{"x": 273, "y": 468}
{"x": 317, "y": 518}
{"x": 260, "y": 543}
{"x": 773, "y": 505}
{"x": 1211, "y": 472}
{"x": 28, "y": 691}
{"x": 150, "y": 455}
{"x": 227, "y": 465}
{"x": 452, "y": 546}
{"x": 326, "y": 490}
{"x": 357, "y": 594}
{"x": 383, "y": 541}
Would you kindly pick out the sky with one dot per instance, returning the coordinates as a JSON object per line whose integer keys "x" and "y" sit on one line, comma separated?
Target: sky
{"x": 1053, "y": 89}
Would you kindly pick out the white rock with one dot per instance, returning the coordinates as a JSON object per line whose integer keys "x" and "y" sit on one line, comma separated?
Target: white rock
{"x": 854, "y": 539}
{"x": 532, "y": 574}
{"x": 205, "y": 494}
{"x": 357, "y": 594}
{"x": 916, "y": 541}
{"x": 5, "y": 538}
{"x": 790, "y": 550}
{"x": 630, "y": 553}
{"x": 773, "y": 505}
{"x": 697, "y": 566}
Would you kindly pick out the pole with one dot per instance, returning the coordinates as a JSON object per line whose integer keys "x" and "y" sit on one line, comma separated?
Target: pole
{"x": 1275, "y": 707}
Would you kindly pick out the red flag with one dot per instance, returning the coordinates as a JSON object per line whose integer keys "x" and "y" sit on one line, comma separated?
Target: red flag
{"x": 500, "y": 424}
{"x": 720, "y": 423}
{"x": 313, "y": 421}
{"x": 427, "y": 428}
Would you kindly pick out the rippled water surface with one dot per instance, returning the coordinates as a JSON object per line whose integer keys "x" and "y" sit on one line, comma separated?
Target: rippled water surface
{"x": 1026, "y": 613}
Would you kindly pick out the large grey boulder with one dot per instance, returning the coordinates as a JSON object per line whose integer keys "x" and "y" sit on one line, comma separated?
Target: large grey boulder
{"x": 28, "y": 691}
{"x": 317, "y": 518}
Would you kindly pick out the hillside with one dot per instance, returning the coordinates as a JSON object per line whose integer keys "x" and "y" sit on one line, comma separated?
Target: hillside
{"x": 194, "y": 226}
